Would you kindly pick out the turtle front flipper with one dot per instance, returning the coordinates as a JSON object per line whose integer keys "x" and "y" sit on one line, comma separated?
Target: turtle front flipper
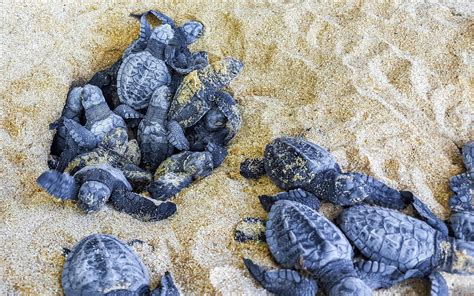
{"x": 357, "y": 187}
{"x": 252, "y": 168}
{"x": 378, "y": 275}
{"x": 169, "y": 185}
{"x": 81, "y": 136}
{"x": 282, "y": 281}
{"x": 176, "y": 136}
{"x": 439, "y": 287}
{"x": 297, "y": 195}
{"x": 140, "y": 207}
{"x": 166, "y": 287}
{"x": 424, "y": 213}
{"x": 60, "y": 185}
{"x": 218, "y": 152}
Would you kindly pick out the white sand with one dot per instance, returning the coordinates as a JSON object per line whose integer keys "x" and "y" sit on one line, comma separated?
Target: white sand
{"x": 387, "y": 88}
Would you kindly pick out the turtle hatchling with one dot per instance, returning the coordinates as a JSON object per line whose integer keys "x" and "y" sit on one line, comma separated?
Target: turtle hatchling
{"x": 417, "y": 248}
{"x": 178, "y": 172}
{"x": 300, "y": 238}
{"x": 93, "y": 186}
{"x": 293, "y": 162}
{"x": 194, "y": 97}
{"x": 102, "y": 265}
{"x": 157, "y": 136}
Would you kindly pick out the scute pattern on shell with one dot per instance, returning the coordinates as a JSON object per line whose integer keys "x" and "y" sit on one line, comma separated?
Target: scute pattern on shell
{"x": 294, "y": 162}
{"x": 139, "y": 75}
{"x": 389, "y": 236}
{"x": 98, "y": 262}
{"x": 298, "y": 235}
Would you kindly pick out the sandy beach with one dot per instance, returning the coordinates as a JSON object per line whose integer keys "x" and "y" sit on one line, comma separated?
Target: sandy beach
{"x": 387, "y": 88}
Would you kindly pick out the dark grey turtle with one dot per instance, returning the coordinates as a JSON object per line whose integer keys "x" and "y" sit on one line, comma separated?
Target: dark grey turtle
{"x": 117, "y": 151}
{"x": 220, "y": 124}
{"x": 101, "y": 264}
{"x": 140, "y": 74}
{"x": 178, "y": 172}
{"x": 416, "y": 248}
{"x": 461, "y": 202}
{"x": 169, "y": 42}
{"x": 157, "y": 136}
{"x": 94, "y": 185}
{"x": 302, "y": 239}
{"x": 195, "y": 95}
{"x": 293, "y": 162}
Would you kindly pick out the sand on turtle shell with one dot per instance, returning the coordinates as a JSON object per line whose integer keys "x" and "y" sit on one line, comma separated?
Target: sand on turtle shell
{"x": 387, "y": 88}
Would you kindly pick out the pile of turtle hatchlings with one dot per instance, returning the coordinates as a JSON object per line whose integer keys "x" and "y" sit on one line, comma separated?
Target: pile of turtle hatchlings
{"x": 155, "y": 121}
{"x": 159, "y": 119}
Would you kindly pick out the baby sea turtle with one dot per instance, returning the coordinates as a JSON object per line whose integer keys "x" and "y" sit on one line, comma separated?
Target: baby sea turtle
{"x": 293, "y": 162}
{"x": 117, "y": 151}
{"x": 195, "y": 95}
{"x": 220, "y": 124}
{"x": 101, "y": 264}
{"x": 462, "y": 219}
{"x": 169, "y": 42}
{"x": 157, "y": 135}
{"x": 94, "y": 185}
{"x": 178, "y": 171}
{"x": 416, "y": 248}
{"x": 302, "y": 239}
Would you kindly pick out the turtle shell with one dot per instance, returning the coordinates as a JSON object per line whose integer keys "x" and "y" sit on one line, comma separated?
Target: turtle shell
{"x": 301, "y": 238}
{"x": 189, "y": 104}
{"x": 292, "y": 162}
{"x": 140, "y": 74}
{"x": 388, "y": 236}
{"x": 100, "y": 264}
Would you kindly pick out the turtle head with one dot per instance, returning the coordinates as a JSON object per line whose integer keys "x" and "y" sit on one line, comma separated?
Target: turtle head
{"x": 93, "y": 195}
{"x": 92, "y": 96}
{"x": 192, "y": 31}
{"x": 220, "y": 73}
{"x": 460, "y": 257}
{"x": 215, "y": 119}
{"x": 350, "y": 286}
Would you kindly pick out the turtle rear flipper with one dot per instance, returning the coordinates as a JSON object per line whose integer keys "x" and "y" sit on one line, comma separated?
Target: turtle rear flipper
{"x": 282, "y": 281}
{"x": 439, "y": 287}
{"x": 58, "y": 184}
{"x": 141, "y": 207}
{"x": 252, "y": 168}
{"x": 168, "y": 185}
{"x": 176, "y": 136}
{"x": 424, "y": 213}
{"x": 83, "y": 137}
{"x": 166, "y": 287}
{"x": 298, "y": 195}
{"x": 378, "y": 275}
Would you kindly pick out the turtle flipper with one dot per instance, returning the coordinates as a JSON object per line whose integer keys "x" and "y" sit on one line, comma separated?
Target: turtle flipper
{"x": 166, "y": 287}
{"x": 140, "y": 207}
{"x": 83, "y": 137}
{"x": 378, "y": 275}
{"x": 282, "y": 281}
{"x": 176, "y": 136}
{"x": 439, "y": 287}
{"x": 468, "y": 156}
{"x": 228, "y": 107}
{"x": 218, "y": 153}
{"x": 127, "y": 112}
{"x": 252, "y": 168}
{"x": 298, "y": 195}
{"x": 462, "y": 224}
{"x": 162, "y": 17}
{"x": 357, "y": 187}
{"x": 138, "y": 177}
{"x": 168, "y": 185}
{"x": 60, "y": 185}
{"x": 462, "y": 185}
{"x": 424, "y": 212}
